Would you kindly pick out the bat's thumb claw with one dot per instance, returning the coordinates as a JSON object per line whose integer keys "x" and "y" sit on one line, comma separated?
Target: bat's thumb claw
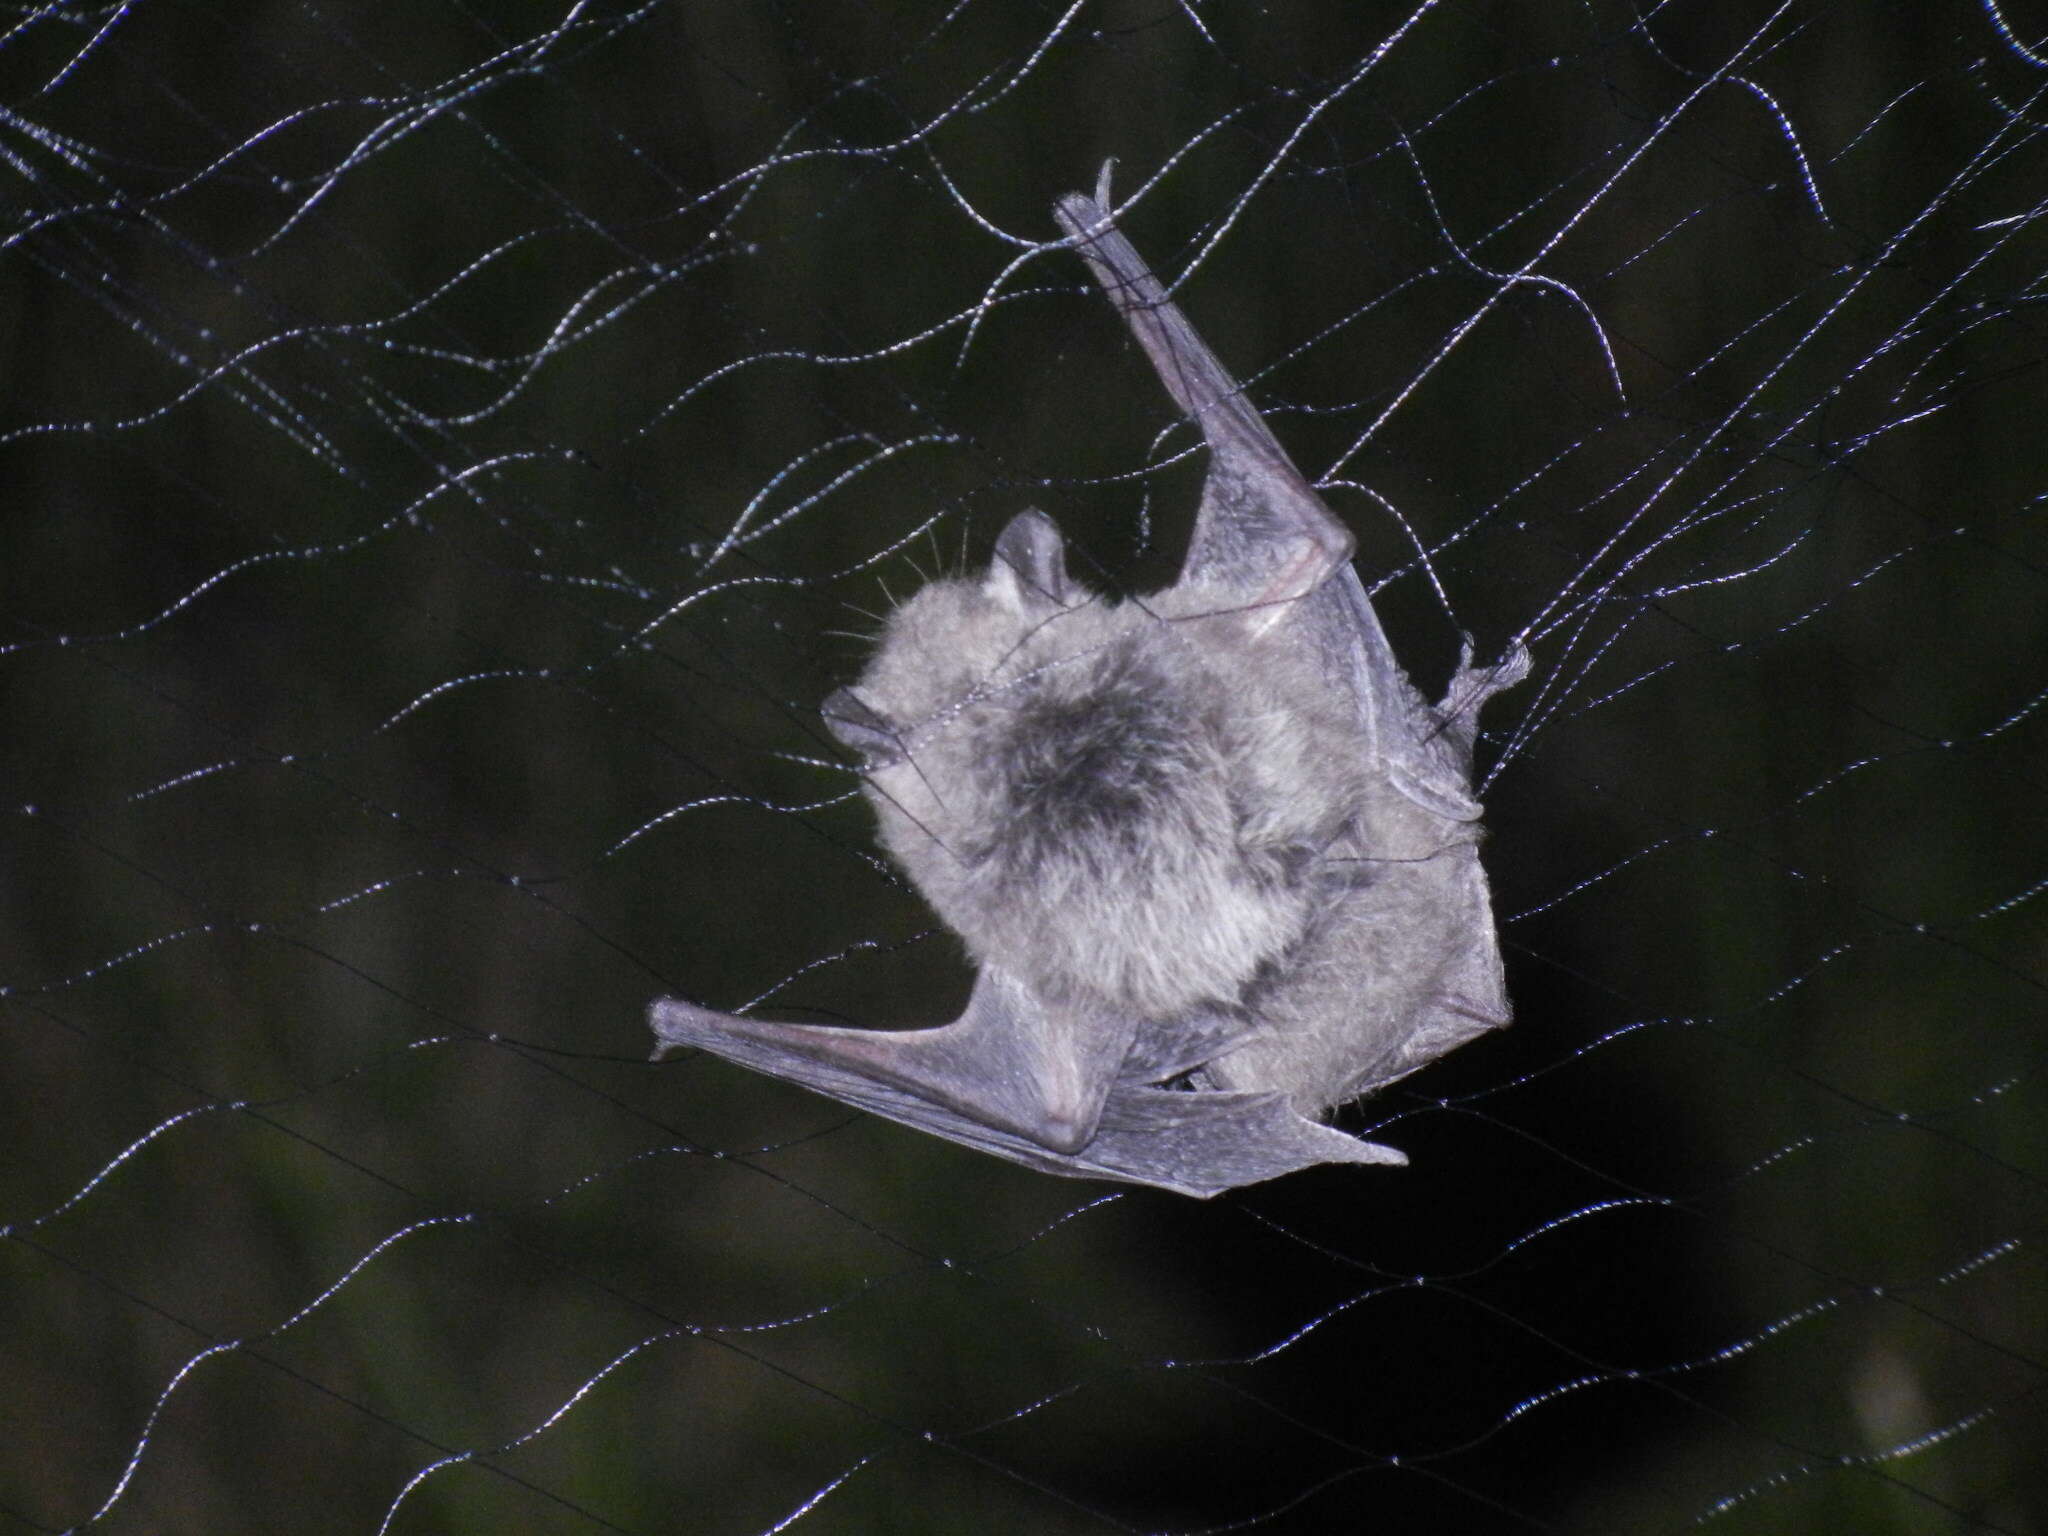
{"x": 1512, "y": 667}
{"x": 1473, "y": 686}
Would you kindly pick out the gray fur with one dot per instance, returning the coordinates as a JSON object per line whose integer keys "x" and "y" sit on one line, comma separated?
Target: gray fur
{"x": 1214, "y": 856}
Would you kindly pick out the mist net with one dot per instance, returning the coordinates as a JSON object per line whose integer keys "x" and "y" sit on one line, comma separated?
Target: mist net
{"x": 447, "y": 452}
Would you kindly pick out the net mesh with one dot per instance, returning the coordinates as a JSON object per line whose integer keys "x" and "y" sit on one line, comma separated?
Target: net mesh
{"x": 447, "y": 452}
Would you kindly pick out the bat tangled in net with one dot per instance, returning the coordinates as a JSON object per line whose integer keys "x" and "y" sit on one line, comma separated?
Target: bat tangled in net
{"x": 1214, "y": 856}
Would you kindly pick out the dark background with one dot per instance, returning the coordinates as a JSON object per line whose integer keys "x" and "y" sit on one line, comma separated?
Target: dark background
{"x": 447, "y": 451}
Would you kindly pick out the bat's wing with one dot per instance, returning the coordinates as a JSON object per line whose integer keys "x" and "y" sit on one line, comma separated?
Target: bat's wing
{"x": 1009, "y": 1064}
{"x": 1203, "y": 1141}
{"x": 1265, "y": 541}
{"x": 1010, "y": 1061}
{"x": 1009, "y": 1078}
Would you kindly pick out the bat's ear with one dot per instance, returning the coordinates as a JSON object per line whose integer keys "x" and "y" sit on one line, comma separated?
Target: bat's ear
{"x": 865, "y": 730}
{"x": 1030, "y": 561}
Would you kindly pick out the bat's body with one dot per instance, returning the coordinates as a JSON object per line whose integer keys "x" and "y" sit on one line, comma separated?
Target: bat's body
{"x": 1216, "y": 858}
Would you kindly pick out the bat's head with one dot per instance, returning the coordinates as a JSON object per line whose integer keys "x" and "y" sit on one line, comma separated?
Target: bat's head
{"x": 1115, "y": 804}
{"x": 958, "y": 641}
{"x": 1003, "y": 711}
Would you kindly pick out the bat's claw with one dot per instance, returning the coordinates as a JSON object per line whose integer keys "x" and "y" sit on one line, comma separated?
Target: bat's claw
{"x": 1473, "y": 686}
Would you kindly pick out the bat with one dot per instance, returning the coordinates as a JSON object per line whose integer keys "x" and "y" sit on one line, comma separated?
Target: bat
{"x": 1214, "y": 856}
